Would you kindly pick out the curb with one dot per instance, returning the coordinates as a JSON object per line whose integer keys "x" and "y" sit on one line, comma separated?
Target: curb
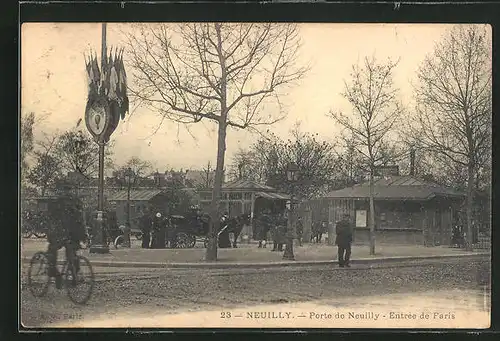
{"x": 222, "y": 265}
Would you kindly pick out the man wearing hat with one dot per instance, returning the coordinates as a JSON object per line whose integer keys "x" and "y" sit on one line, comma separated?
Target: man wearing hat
{"x": 66, "y": 229}
{"x": 344, "y": 240}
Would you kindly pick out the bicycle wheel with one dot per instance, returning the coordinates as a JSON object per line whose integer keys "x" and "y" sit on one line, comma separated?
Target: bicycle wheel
{"x": 79, "y": 286}
{"x": 38, "y": 276}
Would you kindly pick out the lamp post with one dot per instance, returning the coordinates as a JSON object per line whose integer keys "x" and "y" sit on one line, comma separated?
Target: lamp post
{"x": 128, "y": 179}
{"x": 292, "y": 175}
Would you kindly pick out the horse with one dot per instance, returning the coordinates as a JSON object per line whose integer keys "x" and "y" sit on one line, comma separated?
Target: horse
{"x": 235, "y": 226}
{"x": 317, "y": 230}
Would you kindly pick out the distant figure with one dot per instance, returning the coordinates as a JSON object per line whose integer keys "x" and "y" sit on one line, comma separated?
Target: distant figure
{"x": 263, "y": 225}
{"x": 344, "y": 240}
{"x": 224, "y": 241}
{"x": 145, "y": 223}
{"x": 278, "y": 232}
{"x": 158, "y": 237}
{"x": 299, "y": 228}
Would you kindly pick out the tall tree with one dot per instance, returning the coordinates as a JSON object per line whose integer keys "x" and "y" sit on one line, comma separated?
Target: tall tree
{"x": 454, "y": 103}
{"x": 79, "y": 154}
{"x": 221, "y": 72}
{"x": 139, "y": 169}
{"x": 376, "y": 109}
{"x": 266, "y": 161}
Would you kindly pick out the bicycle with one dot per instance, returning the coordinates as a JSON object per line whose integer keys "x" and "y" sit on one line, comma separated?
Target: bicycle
{"x": 71, "y": 281}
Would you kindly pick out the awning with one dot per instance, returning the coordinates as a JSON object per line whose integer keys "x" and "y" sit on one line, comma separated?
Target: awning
{"x": 272, "y": 196}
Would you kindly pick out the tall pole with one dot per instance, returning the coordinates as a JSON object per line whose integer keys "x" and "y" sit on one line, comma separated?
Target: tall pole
{"x": 128, "y": 204}
{"x": 99, "y": 246}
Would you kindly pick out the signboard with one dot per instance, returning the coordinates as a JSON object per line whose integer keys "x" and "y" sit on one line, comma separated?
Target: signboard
{"x": 361, "y": 218}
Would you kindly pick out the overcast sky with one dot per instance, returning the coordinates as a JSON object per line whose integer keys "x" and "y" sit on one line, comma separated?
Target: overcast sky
{"x": 54, "y": 85}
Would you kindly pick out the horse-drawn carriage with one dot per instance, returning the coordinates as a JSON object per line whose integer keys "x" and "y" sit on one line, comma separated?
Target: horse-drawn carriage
{"x": 183, "y": 231}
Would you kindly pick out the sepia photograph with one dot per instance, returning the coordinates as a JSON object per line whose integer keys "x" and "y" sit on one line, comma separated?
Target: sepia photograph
{"x": 255, "y": 175}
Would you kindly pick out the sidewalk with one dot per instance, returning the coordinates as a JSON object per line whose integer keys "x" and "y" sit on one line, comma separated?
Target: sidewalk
{"x": 248, "y": 255}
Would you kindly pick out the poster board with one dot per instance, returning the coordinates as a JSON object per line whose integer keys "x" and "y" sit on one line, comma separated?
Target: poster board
{"x": 361, "y": 218}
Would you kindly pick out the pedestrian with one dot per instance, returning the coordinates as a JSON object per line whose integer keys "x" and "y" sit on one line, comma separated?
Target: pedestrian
{"x": 344, "y": 240}
{"x": 279, "y": 230}
{"x": 145, "y": 223}
{"x": 300, "y": 230}
{"x": 158, "y": 237}
{"x": 263, "y": 224}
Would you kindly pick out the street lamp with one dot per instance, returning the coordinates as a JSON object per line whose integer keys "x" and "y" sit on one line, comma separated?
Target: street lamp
{"x": 292, "y": 175}
{"x": 128, "y": 175}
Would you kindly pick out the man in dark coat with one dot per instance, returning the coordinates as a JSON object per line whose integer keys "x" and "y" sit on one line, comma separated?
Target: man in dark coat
{"x": 299, "y": 227}
{"x": 263, "y": 224}
{"x": 66, "y": 230}
{"x": 158, "y": 237}
{"x": 279, "y": 231}
{"x": 344, "y": 240}
{"x": 145, "y": 223}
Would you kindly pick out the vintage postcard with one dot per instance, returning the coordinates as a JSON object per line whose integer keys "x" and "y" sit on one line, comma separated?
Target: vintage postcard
{"x": 255, "y": 175}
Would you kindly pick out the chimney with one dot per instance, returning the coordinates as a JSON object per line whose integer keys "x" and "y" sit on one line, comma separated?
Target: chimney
{"x": 412, "y": 161}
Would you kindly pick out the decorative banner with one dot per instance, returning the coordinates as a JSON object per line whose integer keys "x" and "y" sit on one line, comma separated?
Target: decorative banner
{"x": 107, "y": 88}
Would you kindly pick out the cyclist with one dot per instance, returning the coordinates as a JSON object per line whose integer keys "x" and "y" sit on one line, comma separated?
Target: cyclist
{"x": 67, "y": 230}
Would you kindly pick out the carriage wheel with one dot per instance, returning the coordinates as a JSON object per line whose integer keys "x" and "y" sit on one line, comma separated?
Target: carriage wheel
{"x": 184, "y": 240}
{"x": 119, "y": 241}
{"x": 192, "y": 242}
{"x": 40, "y": 234}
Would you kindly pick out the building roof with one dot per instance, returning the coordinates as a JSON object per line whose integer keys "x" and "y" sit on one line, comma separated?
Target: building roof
{"x": 135, "y": 195}
{"x": 249, "y": 185}
{"x": 396, "y": 188}
{"x": 272, "y": 196}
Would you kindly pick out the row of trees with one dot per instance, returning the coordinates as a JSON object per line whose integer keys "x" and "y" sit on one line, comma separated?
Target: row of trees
{"x": 448, "y": 131}
{"x": 226, "y": 73}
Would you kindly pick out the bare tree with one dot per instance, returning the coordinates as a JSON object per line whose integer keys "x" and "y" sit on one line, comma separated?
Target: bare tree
{"x": 78, "y": 153}
{"x": 376, "y": 110}
{"x": 221, "y": 72}
{"x": 454, "y": 103}
{"x": 139, "y": 170}
{"x": 46, "y": 168}
{"x": 266, "y": 161}
{"x": 208, "y": 176}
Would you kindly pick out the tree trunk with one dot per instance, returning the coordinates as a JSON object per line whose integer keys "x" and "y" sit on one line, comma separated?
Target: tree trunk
{"x": 211, "y": 254}
{"x": 372, "y": 216}
{"x": 470, "y": 195}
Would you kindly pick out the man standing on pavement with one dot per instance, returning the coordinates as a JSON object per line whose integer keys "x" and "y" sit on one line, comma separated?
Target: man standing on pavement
{"x": 344, "y": 240}
{"x": 145, "y": 223}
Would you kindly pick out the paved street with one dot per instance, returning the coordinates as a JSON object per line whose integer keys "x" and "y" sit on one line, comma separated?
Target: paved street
{"x": 198, "y": 297}
{"x": 246, "y": 253}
